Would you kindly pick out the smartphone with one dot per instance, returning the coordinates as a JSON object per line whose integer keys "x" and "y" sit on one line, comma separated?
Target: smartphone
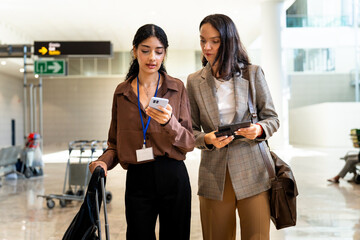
{"x": 155, "y": 102}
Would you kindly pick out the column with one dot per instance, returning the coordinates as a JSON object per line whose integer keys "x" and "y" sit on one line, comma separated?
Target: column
{"x": 272, "y": 23}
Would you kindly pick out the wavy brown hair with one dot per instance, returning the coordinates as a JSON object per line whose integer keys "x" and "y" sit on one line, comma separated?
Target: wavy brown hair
{"x": 231, "y": 51}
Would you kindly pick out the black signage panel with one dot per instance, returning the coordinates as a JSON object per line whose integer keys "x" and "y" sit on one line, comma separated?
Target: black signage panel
{"x": 73, "y": 48}
{"x": 15, "y": 51}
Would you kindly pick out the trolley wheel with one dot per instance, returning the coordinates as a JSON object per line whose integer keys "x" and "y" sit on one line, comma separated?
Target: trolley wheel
{"x": 28, "y": 173}
{"x": 50, "y": 203}
{"x": 62, "y": 203}
{"x": 69, "y": 192}
{"x": 80, "y": 193}
{"x": 108, "y": 197}
{"x": 38, "y": 172}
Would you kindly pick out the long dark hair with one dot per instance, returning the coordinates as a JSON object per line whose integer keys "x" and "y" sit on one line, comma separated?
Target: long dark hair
{"x": 143, "y": 33}
{"x": 231, "y": 51}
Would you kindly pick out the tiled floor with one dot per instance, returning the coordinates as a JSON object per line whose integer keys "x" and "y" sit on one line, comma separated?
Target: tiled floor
{"x": 325, "y": 211}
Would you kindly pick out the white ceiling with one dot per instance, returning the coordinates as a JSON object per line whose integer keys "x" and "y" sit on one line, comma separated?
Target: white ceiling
{"x": 25, "y": 21}
{"x": 118, "y": 20}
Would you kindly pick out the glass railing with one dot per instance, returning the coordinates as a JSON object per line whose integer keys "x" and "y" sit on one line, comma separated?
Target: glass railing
{"x": 318, "y": 21}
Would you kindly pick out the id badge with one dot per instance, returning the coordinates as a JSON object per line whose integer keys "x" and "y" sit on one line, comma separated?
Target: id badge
{"x": 144, "y": 154}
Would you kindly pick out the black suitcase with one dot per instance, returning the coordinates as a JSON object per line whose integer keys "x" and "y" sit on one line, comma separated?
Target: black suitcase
{"x": 86, "y": 224}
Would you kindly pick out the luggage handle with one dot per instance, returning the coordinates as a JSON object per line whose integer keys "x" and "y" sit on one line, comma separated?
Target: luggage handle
{"x": 107, "y": 235}
{"x": 105, "y": 210}
{"x": 98, "y": 224}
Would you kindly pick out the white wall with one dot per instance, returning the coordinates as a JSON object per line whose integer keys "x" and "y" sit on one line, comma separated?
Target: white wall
{"x": 312, "y": 88}
{"x": 11, "y": 107}
{"x": 344, "y": 59}
{"x": 324, "y": 125}
{"x": 180, "y": 63}
{"x": 77, "y": 109}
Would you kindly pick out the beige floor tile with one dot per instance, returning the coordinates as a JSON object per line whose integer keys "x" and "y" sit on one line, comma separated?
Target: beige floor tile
{"x": 325, "y": 211}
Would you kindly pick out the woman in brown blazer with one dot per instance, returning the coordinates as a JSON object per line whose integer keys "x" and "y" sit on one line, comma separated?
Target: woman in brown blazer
{"x": 151, "y": 144}
{"x": 232, "y": 174}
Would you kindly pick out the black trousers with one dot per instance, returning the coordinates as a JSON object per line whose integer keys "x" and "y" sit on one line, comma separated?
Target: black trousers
{"x": 159, "y": 188}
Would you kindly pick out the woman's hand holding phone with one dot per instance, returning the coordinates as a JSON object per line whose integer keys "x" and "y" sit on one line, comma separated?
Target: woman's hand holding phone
{"x": 163, "y": 116}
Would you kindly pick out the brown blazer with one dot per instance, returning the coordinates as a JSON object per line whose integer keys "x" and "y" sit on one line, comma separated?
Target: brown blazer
{"x": 242, "y": 157}
{"x": 173, "y": 140}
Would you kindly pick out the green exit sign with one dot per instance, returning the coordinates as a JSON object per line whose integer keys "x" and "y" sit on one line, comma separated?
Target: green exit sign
{"x": 50, "y": 67}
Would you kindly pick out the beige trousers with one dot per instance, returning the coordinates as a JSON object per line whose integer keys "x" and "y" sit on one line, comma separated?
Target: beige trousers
{"x": 218, "y": 219}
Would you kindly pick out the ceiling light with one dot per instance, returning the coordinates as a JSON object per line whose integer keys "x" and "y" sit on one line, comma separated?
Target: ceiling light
{"x": 21, "y": 70}
{"x": 3, "y": 62}
{"x": 36, "y": 75}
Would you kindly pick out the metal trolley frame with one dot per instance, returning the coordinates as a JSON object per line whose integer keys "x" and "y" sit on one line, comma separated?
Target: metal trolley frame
{"x": 77, "y": 174}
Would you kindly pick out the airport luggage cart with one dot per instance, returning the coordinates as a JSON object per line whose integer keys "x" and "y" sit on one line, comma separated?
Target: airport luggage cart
{"x": 104, "y": 145}
{"x": 77, "y": 174}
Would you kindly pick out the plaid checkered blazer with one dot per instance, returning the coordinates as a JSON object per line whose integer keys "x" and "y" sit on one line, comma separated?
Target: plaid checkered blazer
{"x": 242, "y": 156}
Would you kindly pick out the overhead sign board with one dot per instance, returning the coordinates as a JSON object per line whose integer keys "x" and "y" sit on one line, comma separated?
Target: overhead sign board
{"x": 15, "y": 51}
{"x": 73, "y": 49}
{"x": 50, "y": 67}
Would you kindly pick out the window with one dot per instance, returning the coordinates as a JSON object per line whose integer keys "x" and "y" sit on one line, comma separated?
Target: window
{"x": 89, "y": 66}
{"x": 74, "y": 66}
{"x": 102, "y": 66}
{"x": 314, "y": 60}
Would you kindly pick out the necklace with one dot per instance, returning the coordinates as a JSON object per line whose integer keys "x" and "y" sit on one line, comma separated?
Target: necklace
{"x": 218, "y": 83}
{"x": 148, "y": 89}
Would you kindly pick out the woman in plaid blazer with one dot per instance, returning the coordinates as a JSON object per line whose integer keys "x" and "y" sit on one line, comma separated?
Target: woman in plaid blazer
{"x": 232, "y": 174}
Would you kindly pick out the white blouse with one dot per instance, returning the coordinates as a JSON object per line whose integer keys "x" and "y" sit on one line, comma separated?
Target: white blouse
{"x": 225, "y": 98}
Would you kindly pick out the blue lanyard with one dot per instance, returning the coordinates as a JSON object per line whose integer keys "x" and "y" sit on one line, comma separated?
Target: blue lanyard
{"x": 142, "y": 121}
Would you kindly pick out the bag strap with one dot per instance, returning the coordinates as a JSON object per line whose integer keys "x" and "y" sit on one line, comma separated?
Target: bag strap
{"x": 265, "y": 157}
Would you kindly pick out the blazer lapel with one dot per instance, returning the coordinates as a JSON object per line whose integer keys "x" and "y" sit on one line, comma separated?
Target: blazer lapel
{"x": 241, "y": 87}
{"x": 207, "y": 90}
